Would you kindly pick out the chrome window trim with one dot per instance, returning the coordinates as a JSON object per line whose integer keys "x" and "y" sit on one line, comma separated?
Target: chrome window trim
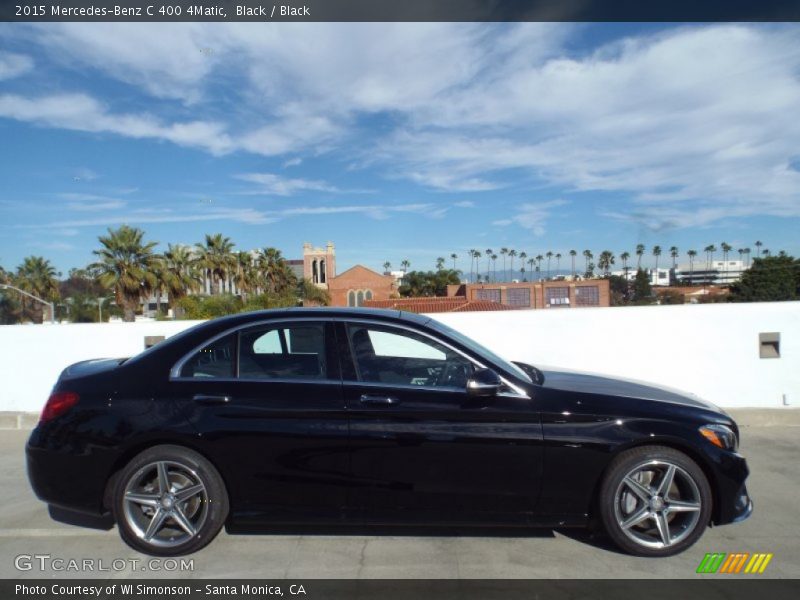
{"x": 518, "y": 392}
{"x": 174, "y": 374}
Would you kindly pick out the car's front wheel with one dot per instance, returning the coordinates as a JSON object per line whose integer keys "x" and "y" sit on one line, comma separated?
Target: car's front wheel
{"x": 169, "y": 501}
{"x": 655, "y": 501}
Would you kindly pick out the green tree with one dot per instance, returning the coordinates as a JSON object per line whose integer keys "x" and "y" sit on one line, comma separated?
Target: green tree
{"x": 387, "y": 267}
{"x": 440, "y": 263}
{"x": 549, "y": 255}
{"x": 691, "y": 254}
{"x": 125, "y": 266}
{"x": 183, "y": 277}
{"x": 588, "y": 256}
{"x": 38, "y": 277}
{"x": 454, "y": 257}
{"x": 216, "y": 257}
{"x": 769, "y": 279}
{"x": 428, "y": 283}
{"x": 313, "y": 295}
{"x": 642, "y": 290}
{"x": 503, "y": 253}
{"x": 639, "y": 253}
{"x": 673, "y": 252}
{"x": 624, "y": 257}
{"x": 657, "y": 255}
{"x": 605, "y": 261}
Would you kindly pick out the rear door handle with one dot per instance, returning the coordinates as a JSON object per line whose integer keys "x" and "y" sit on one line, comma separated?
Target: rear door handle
{"x": 211, "y": 399}
{"x": 376, "y": 399}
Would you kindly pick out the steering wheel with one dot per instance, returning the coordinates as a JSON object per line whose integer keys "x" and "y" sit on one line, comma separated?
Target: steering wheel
{"x": 449, "y": 373}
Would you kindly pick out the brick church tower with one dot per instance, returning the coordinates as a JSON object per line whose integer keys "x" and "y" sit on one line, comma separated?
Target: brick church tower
{"x": 319, "y": 264}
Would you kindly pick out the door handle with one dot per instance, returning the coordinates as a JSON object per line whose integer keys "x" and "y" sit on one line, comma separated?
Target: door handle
{"x": 375, "y": 399}
{"x": 210, "y": 399}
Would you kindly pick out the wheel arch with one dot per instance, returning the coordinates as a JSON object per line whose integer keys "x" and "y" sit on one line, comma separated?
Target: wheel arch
{"x": 668, "y": 442}
{"x": 137, "y": 448}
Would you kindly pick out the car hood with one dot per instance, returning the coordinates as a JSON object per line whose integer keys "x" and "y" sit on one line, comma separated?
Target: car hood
{"x": 597, "y": 384}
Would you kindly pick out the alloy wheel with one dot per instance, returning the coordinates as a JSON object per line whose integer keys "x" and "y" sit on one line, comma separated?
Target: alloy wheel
{"x": 165, "y": 503}
{"x": 657, "y": 504}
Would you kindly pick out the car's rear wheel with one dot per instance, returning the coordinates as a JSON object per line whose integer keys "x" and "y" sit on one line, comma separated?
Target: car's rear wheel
{"x": 655, "y": 501}
{"x": 169, "y": 501}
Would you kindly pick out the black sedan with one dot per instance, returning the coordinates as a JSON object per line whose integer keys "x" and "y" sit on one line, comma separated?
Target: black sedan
{"x": 312, "y": 415}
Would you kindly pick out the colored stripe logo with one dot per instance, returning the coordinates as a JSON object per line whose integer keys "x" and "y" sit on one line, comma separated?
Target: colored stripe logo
{"x": 734, "y": 563}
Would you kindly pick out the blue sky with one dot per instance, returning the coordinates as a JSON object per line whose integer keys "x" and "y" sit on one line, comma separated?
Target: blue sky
{"x": 399, "y": 141}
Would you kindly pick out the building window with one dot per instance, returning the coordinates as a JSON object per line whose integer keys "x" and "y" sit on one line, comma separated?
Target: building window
{"x": 351, "y": 298}
{"x": 587, "y": 295}
{"x": 359, "y": 298}
{"x": 322, "y": 274}
{"x": 368, "y": 295}
{"x": 519, "y": 297}
{"x": 492, "y": 295}
{"x": 557, "y": 296}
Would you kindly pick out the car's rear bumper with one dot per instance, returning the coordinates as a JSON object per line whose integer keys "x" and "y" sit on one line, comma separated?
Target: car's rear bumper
{"x": 63, "y": 479}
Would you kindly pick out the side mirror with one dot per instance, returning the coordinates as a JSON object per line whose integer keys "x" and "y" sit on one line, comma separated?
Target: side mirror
{"x": 484, "y": 382}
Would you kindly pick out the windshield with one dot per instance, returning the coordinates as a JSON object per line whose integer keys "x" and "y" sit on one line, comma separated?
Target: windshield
{"x": 480, "y": 350}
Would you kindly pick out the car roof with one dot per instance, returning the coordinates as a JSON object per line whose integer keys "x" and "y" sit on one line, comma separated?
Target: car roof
{"x": 326, "y": 312}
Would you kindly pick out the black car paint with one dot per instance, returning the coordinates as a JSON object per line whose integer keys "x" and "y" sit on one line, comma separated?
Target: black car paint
{"x": 300, "y": 452}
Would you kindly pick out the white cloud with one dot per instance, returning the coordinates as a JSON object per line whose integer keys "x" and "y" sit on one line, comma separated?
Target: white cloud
{"x": 13, "y": 65}
{"x": 534, "y": 215}
{"x": 271, "y": 184}
{"x": 703, "y": 115}
{"x": 83, "y": 113}
{"x": 91, "y": 202}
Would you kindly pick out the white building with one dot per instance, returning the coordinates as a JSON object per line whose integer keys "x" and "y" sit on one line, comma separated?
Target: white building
{"x": 659, "y": 277}
{"x": 720, "y": 272}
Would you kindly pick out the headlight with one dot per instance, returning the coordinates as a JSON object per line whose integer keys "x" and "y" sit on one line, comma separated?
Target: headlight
{"x": 721, "y": 436}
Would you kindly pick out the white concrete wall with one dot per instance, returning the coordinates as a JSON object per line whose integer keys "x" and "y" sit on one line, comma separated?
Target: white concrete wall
{"x": 711, "y": 350}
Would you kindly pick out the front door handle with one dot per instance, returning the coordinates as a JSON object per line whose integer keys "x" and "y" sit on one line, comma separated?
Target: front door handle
{"x": 211, "y": 399}
{"x": 378, "y": 399}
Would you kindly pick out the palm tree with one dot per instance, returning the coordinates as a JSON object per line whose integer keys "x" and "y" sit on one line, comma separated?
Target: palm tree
{"x": 691, "y": 254}
{"x": 471, "y": 253}
{"x": 539, "y": 259}
{"x": 494, "y": 267}
{"x": 478, "y": 264}
{"x": 765, "y": 252}
{"x": 38, "y": 277}
{"x": 657, "y": 254}
{"x": 624, "y": 258}
{"x": 639, "y": 253}
{"x": 183, "y": 277}
{"x": 489, "y": 253}
{"x": 549, "y": 255}
{"x": 726, "y": 248}
{"x": 531, "y": 263}
{"x": 572, "y": 254}
{"x": 440, "y": 263}
{"x": 673, "y": 252}
{"x": 387, "y": 266}
{"x": 503, "y": 252}
{"x": 587, "y": 256}
{"x": 747, "y": 253}
{"x": 246, "y": 277}
{"x": 405, "y": 264}
{"x": 558, "y": 262}
{"x": 758, "y": 248}
{"x": 274, "y": 271}
{"x": 522, "y": 256}
{"x": 217, "y": 259}
{"x": 709, "y": 250}
{"x": 125, "y": 266}
{"x": 512, "y": 253}
{"x": 605, "y": 261}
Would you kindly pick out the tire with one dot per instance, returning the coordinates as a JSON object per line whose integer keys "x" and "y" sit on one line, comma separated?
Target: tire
{"x": 179, "y": 520}
{"x": 654, "y": 501}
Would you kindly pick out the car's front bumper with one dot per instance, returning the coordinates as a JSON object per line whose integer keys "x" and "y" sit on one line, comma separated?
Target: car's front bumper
{"x": 733, "y": 502}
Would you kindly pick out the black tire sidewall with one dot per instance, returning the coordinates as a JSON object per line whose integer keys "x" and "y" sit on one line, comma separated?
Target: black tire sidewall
{"x": 620, "y": 466}
{"x": 215, "y": 488}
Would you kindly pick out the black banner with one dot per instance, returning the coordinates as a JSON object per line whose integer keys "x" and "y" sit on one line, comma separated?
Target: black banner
{"x": 711, "y": 588}
{"x": 399, "y": 10}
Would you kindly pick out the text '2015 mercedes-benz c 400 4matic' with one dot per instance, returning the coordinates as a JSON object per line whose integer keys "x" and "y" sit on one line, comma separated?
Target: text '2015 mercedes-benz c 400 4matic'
{"x": 320, "y": 415}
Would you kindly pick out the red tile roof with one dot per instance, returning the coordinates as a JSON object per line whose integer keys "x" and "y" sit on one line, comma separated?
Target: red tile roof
{"x": 437, "y": 304}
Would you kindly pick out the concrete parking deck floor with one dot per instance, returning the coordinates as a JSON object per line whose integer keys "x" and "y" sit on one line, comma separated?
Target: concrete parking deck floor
{"x": 774, "y": 483}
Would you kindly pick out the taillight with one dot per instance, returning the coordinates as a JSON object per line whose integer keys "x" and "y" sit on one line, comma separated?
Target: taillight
{"x": 57, "y": 404}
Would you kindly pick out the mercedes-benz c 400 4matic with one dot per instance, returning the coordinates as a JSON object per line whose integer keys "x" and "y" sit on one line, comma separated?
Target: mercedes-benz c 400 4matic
{"x": 307, "y": 415}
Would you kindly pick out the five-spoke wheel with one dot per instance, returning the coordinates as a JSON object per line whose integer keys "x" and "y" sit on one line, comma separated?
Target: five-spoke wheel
{"x": 169, "y": 500}
{"x": 655, "y": 501}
